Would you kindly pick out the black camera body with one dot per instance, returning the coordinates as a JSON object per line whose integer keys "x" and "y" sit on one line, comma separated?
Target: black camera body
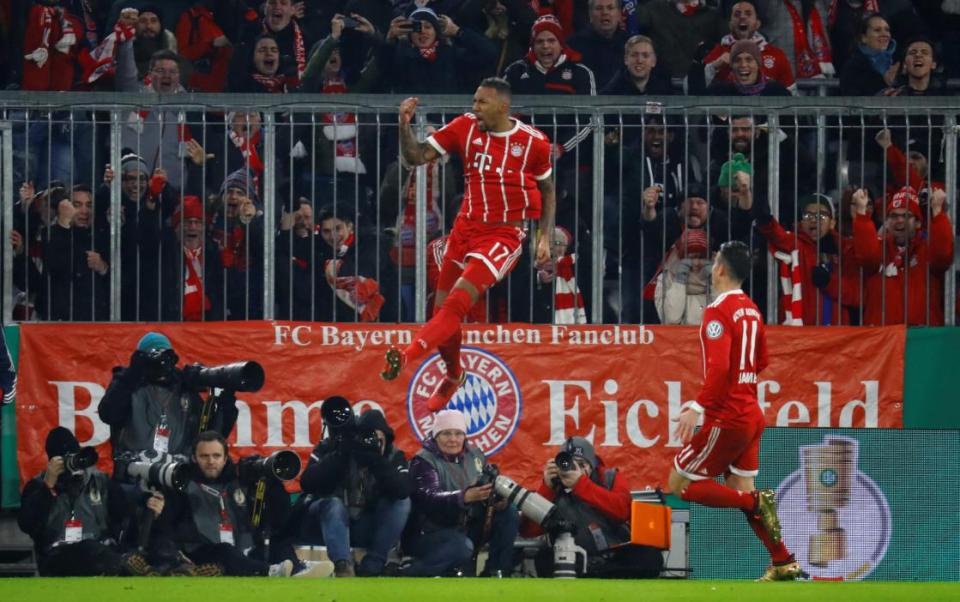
{"x": 281, "y": 465}
{"x": 350, "y": 23}
{"x": 159, "y": 364}
{"x": 83, "y": 458}
{"x": 416, "y": 26}
{"x": 367, "y": 440}
{"x": 565, "y": 463}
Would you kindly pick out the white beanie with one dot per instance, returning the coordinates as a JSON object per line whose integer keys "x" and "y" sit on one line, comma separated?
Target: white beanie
{"x": 446, "y": 420}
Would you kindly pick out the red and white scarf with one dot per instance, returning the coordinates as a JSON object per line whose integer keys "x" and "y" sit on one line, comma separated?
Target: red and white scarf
{"x": 272, "y": 84}
{"x": 299, "y": 50}
{"x": 248, "y": 148}
{"x": 341, "y": 129}
{"x": 195, "y": 302}
{"x": 403, "y": 251}
{"x": 359, "y": 292}
{"x": 430, "y": 52}
{"x": 790, "y": 279}
{"x": 812, "y": 54}
{"x": 568, "y": 307}
{"x": 102, "y": 60}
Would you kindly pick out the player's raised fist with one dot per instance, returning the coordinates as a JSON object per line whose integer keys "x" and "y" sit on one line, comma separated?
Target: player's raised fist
{"x": 407, "y": 108}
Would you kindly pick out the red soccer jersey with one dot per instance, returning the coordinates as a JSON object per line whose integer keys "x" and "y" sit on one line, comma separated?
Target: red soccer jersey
{"x": 734, "y": 343}
{"x": 502, "y": 168}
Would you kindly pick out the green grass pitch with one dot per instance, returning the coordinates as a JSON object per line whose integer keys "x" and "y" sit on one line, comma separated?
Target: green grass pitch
{"x": 103, "y": 589}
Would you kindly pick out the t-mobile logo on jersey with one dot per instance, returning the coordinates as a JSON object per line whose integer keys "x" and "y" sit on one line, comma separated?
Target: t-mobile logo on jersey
{"x": 482, "y": 161}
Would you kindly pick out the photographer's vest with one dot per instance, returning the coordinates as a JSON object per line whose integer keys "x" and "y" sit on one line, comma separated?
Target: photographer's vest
{"x": 215, "y": 505}
{"x": 596, "y": 532}
{"x": 454, "y": 476}
{"x": 89, "y": 509}
{"x": 140, "y": 432}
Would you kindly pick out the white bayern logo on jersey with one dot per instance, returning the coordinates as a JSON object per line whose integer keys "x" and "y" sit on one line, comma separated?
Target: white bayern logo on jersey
{"x": 714, "y": 329}
{"x": 516, "y": 150}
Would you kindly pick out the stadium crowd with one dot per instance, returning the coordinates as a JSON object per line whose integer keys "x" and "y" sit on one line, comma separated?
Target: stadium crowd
{"x": 192, "y": 224}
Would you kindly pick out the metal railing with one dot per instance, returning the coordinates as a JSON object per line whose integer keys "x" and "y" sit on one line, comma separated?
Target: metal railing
{"x": 312, "y": 146}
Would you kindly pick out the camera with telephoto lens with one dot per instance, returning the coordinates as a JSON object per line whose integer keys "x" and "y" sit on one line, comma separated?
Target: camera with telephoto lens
{"x": 159, "y": 364}
{"x": 83, "y": 458}
{"x": 238, "y": 376}
{"x": 338, "y": 418}
{"x": 152, "y": 471}
{"x": 367, "y": 440}
{"x": 281, "y": 465}
{"x": 543, "y": 512}
{"x": 565, "y": 463}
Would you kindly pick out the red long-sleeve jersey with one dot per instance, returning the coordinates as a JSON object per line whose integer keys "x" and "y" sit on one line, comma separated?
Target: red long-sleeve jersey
{"x": 734, "y": 343}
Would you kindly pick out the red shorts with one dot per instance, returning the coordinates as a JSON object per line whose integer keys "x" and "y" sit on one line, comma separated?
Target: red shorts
{"x": 498, "y": 246}
{"x": 715, "y": 450}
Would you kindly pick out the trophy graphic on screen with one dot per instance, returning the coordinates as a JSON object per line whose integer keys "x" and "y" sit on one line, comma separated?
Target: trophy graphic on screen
{"x": 828, "y": 472}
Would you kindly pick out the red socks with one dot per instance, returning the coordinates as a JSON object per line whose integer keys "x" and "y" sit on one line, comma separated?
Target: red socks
{"x": 443, "y": 329}
{"x": 779, "y": 553}
{"x": 450, "y": 353}
{"x": 710, "y": 493}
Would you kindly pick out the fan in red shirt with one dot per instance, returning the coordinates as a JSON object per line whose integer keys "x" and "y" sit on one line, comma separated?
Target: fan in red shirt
{"x": 734, "y": 345}
{"x": 507, "y": 181}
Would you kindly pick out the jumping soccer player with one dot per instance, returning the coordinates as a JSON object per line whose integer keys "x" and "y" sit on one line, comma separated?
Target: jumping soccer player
{"x": 507, "y": 181}
{"x": 734, "y": 345}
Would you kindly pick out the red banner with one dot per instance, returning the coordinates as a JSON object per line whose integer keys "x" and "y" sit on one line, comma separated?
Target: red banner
{"x": 528, "y": 388}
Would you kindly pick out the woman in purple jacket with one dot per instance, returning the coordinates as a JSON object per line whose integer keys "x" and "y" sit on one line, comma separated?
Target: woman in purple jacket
{"x": 449, "y": 506}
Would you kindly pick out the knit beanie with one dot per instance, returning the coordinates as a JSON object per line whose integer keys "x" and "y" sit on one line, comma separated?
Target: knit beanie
{"x": 133, "y": 162}
{"x": 730, "y": 168}
{"x": 153, "y": 341}
{"x": 192, "y": 209}
{"x": 748, "y": 46}
{"x": 446, "y": 420}
{"x": 427, "y": 14}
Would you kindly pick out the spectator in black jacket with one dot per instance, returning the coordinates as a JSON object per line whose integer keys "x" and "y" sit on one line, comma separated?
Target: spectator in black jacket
{"x": 76, "y": 259}
{"x": 870, "y": 68}
{"x": 638, "y": 75}
{"x": 359, "y": 489}
{"x": 550, "y": 67}
{"x": 601, "y": 44}
{"x": 350, "y": 269}
{"x": 440, "y": 58}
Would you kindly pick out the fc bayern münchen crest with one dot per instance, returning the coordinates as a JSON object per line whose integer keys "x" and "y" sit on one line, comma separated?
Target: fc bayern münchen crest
{"x": 516, "y": 150}
{"x": 490, "y": 398}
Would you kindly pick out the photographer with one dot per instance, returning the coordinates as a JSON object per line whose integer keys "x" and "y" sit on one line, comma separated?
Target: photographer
{"x": 448, "y": 503}
{"x": 150, "y": 405}
{"x": 359, "y": 492}
{"x": 74, "y": 512}
{"x": 211, "y": 520}
{"x": 597, "y": 499}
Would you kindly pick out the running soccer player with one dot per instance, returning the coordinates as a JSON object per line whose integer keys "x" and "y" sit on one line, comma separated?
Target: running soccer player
{"x": 734, "y": 346}
{"x": 506, "y": 181}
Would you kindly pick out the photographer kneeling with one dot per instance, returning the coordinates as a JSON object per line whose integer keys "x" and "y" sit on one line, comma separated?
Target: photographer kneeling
{"x": 211, "y": 520}
{"x": 448, "y": 505}
{"x": 597, "y": 500}
{"x": 74, "y": 512}
{"x": 151, "y": 407}
{"x": 359, "y": 490}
